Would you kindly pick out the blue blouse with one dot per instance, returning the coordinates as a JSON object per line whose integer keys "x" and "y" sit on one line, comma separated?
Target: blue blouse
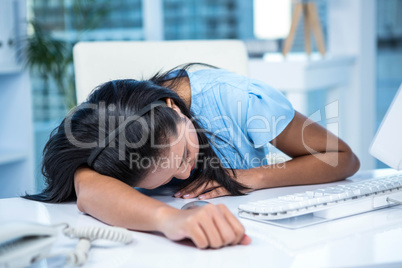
{"x": 246, "y": 113}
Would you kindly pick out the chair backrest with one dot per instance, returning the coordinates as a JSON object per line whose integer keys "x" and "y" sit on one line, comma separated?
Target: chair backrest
{"x": 99, "y": 62}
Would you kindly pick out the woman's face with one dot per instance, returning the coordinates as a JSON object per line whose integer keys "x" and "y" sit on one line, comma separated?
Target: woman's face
{"x": 180, "y": 158}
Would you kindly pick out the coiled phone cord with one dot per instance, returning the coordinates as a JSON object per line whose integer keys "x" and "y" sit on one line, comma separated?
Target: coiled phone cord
{"x": 86, "y": 235}
{"x": 115, "y": 234}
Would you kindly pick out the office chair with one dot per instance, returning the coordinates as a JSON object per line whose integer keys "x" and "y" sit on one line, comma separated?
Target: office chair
{"x": 99, "y": 62}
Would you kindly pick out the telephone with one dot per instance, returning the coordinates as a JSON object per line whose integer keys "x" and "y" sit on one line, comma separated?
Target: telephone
{"x": 23, "y": 243}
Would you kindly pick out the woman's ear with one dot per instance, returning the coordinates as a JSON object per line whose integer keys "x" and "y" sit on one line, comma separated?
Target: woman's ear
{"x": 170, "y": 104}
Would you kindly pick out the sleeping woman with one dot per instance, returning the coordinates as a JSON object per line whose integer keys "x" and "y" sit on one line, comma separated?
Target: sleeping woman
{"x": 210, "y": 128}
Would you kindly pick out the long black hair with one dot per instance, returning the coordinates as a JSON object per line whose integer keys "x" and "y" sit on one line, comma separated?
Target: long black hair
{"x": 84, "y": 128}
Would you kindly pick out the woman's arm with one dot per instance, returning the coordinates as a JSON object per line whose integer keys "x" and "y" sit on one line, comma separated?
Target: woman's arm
{"x": 318, "y": 156}
{"x": 116, "y": 203}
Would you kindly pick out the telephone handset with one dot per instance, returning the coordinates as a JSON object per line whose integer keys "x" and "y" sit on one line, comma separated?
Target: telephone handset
{"x": 23, "y": 243}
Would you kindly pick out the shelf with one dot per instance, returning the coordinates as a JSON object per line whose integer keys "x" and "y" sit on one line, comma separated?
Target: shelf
{"x": 11, "y": 156}
{"x": 298, "y": 73}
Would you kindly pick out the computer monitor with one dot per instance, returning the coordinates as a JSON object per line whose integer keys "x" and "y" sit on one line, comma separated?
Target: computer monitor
{"x": 387, "y": 144}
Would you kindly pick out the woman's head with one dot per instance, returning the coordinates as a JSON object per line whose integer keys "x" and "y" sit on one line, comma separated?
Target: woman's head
{"x": 148, "y": 148}
{"x": 177, "y": 160}
{"x": 106, "y": 134}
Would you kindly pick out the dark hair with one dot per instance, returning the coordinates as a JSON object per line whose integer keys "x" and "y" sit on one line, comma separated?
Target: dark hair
{"x": 72, "y": 142}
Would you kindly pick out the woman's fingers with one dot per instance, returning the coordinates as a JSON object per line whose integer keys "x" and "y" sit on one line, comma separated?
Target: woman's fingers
{"x": 234, "y": 225}
{"x": 225, "y": 227}
{"x": 246, "y": 240}
{"x": 210, "y": 226}
{"x": 186, "y": 193}
{"x": 219, "y": 229}
{"x": 199, "y": 237}
{"x": 218, "y": 191}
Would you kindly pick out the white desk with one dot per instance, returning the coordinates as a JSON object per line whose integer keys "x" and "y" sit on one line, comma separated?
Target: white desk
{"x": 371, "y": 239}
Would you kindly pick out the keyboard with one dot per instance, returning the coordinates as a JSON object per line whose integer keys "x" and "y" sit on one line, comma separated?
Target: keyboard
{"x": 328, "y": 203}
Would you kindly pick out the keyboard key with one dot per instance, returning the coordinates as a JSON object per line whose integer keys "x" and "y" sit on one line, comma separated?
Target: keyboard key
{"x": 310, "y": 194}
{"x": 300, "y": 197}
{"x": 287, "y": 197}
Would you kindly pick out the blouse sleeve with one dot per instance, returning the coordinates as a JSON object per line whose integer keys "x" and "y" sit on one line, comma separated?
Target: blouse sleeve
{"x": 249, "y": 107}
{"x": 268, "y": 113}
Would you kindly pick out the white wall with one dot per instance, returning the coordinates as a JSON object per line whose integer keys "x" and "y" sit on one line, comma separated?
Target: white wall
{"x": 352, "y": 30}
{"x": 16, "y": 133}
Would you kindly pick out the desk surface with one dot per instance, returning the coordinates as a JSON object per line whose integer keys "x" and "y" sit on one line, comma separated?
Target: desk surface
{"x": 370, "y": 239}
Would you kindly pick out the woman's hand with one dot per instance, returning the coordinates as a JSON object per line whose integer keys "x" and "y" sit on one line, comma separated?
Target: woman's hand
{"x": 207, "y": 226}
{"x": 248, "y": 177}
{"x": 211, "y": 226}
